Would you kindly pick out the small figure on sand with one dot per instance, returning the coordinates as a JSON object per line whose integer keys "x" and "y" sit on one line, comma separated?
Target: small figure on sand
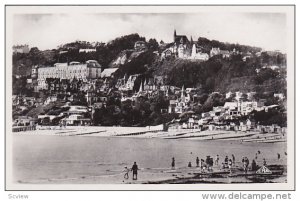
{"x": 278, "y": 156}
{"x": 258, "y": 152}
{"x": 209, "y": 162}
{"x": 285, "y": 153}
{"x": 255, "y": 156}
{"x": 217, "y": 160}
{"x": 223, "y": 166}
{"x": 264, "y": 162}
{"x": 233, "y": 159}
{"x": 253, "y": 165}
{"x": 245, "y": 162}
{"x": 190, "y": 164}
{"x": 230, "y": 165}
{"x": 197, "y": 162}
{"x": 202, "y": 165}
{"x": 135, "y": 171}
{"x": 226, "y": 162}
{"x": 126, "y": 175}
{"x": 173, "y": 163}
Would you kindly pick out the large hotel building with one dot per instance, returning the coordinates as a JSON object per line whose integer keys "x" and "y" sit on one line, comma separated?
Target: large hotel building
{"x": 89, "y": 70}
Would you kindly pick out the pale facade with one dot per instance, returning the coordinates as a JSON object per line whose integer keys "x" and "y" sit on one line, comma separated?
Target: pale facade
{"x": 21, "y": 49}
{"x": 181, "y": 104}
{"x": 90, "y": 70}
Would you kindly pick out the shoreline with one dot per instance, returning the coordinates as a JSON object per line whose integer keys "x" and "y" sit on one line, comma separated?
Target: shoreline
{"x": 87, "y": 158}
{"x": 179, "y": 175}
{"x": 144, "y": 132}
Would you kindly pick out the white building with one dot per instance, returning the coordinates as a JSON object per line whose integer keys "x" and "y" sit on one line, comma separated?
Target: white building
{"x": 199, "y": 55}
{"x": 279, "y": 95}
{"x": 250, "y": 95}
{"x": 90, "y": 70}
{"x": 76, "y": 120}
{"x": 238, "y": 95}
{"x": 128, "y": 85}
{"x": 228, "y": 95}
{"x": 181, "y": 104}
{"x": 248, "y": 106}
{"x": 21, "y": 49}
{"x": 243, "y": 108}
{"x": 88, "y": 50}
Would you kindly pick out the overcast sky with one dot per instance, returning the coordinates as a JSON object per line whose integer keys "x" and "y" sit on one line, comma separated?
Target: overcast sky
{"x": 47, "y": 31}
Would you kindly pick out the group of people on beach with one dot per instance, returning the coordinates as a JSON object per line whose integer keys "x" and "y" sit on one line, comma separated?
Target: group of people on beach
{"x": 228, "y": 163}
{"x": 209, "y": 162}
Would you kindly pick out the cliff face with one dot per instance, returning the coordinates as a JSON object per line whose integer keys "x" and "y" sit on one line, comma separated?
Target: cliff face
{"x": 120, "y": 60}
{"x": 124, "y": 57}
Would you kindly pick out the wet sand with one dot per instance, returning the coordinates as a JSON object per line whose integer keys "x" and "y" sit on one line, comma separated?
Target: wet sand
{"x": 54, "y": 159}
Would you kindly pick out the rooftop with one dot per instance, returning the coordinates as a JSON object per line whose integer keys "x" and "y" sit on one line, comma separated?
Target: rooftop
{"x": 108, "y": 72}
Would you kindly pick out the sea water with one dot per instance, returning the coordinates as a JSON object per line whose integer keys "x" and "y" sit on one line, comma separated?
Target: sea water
{"x": 38, "y": 157}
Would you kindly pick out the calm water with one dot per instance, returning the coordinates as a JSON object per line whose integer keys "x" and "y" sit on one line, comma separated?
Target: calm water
{"x": 53, "y": 157}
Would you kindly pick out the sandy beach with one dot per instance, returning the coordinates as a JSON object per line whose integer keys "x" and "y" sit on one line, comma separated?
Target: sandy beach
{"x": 144, "y": 132}
{"x": 97, "y": 155}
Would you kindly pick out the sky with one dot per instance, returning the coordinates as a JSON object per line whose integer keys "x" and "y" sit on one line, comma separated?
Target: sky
{"x": 47, "y": 31}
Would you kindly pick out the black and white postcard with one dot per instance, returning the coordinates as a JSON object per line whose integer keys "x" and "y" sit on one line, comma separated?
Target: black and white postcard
{"x": 150, "y": 97}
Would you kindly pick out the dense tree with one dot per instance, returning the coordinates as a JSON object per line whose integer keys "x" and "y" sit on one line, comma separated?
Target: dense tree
{"x": 153, "y": 44}
{"x": 272, "y": 116}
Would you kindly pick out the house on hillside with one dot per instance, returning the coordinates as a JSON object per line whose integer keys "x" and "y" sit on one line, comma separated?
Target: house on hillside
{"x": 140, "y": 45}
{"x": 181, "y": 104}
{"x": 21, "y": 49}
{"x": 86, "y": 50}
{"x": 76, "y": 120}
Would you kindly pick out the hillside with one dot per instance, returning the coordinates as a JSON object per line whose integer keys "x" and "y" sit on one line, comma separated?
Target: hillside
{"x": 222, "y": 75}
{"x": 216, "y": 74}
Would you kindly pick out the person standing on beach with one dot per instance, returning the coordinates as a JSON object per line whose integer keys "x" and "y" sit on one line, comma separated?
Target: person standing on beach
{"x": 226, "y": 162}
{"x": 278, "y": 156}
{"x": 230, "y": 164}
{"x": 233, "y": 160}
{"x": 197, "y": 162}
{"x": 135, "y": 171}
{"x": 217, "y": 160}
{"x": 173, "y": 163}
{"x": 222, "y": 166}
{"x": 202, "y": 165}
{"x": 207, "y": 161}
{"x": 126, "y": 175}
{"x": 244, "y": 164}
{"x": 247, "y": 163}
{"x": 253, "y": 165}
